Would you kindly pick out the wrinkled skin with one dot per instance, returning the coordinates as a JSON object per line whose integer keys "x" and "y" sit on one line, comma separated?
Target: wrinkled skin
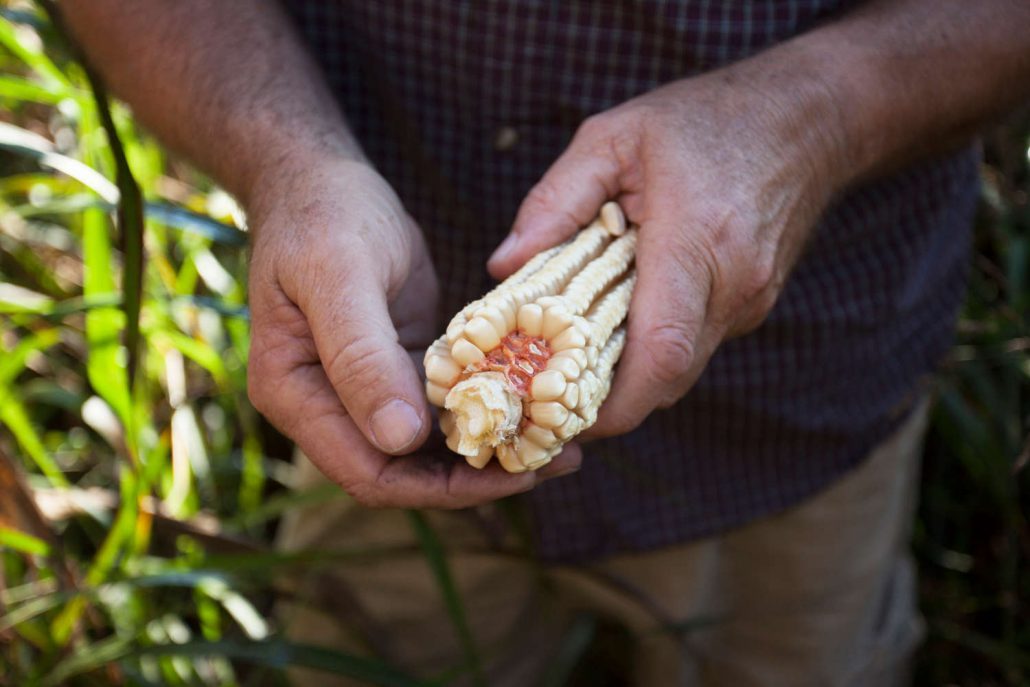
{"x": 726, "y": 178}
{"x": 343, "y": 295}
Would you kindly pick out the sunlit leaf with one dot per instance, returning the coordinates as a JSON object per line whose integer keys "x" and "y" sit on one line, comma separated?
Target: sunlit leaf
{"x": 23, "y": 142}
{"x": 17, "y": 40}
{"x": 106, "y": 364}
{"x": 26, "y": 543}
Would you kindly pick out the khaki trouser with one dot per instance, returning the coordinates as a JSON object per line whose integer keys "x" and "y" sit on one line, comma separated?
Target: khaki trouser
{"x": 822, "y": 594}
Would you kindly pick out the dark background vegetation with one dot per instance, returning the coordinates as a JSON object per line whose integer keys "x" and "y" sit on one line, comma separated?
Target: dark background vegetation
{"x": 139, "y": 490}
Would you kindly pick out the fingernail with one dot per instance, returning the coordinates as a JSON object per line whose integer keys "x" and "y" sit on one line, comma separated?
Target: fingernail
{"x": 506, "y": 248}
{"x": 395, "y": 425}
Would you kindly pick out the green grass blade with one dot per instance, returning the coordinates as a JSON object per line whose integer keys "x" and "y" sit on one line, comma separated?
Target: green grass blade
{"x": 17, "y": 88}
{"x": 274, "y": 654}
{"x": 163, "y": 213}
{"x": 118, "y": 537}
{"x": 196, "y": 350}
{"x": 13, "y": 361}
{"x": 33, "y": 56}
{"x": 93, "y": 656}
{"x": 130, "y": 226}
{"x": 25, "y": 143}
{"x": 186, "y": 220}
{"x": 56, "y": 310}
{"x": 436, "y": 557}
{"x": 17, "y": 419}
{"x": 29, "y": 610}
{"x": 104, "y": 367}
{"x": 26, "y": 543}
{"x": 240, "y": 312}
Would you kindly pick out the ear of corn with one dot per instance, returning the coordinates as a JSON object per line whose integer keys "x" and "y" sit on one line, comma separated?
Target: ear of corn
{"x": 524, "y": 369}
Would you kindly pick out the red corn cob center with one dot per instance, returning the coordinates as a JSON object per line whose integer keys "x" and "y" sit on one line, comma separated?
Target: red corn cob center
{"x": 518, "y": 357}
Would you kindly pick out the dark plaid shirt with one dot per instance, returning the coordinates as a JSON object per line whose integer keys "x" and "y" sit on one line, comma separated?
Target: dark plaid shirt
{"x": 463, "y": 105}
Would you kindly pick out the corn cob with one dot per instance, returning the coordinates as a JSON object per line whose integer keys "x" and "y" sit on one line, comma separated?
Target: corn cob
{"x": 524, "y": 369}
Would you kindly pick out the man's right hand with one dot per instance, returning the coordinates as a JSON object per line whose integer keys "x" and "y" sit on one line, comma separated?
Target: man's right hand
{"x": 341, "y": 289}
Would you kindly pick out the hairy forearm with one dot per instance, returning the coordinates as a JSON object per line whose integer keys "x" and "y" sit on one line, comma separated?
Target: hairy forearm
{"x": 225, "y": 83}
{"x": 930, "y": 72}
{"x": 896, "y": 80}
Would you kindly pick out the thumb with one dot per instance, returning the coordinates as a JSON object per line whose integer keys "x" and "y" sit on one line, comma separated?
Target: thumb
{"x": 567, "y": 197}
{"x": 373, "y": 375}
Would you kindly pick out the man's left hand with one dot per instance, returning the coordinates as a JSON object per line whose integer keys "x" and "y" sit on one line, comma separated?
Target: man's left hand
{"x": 725, "y": 174}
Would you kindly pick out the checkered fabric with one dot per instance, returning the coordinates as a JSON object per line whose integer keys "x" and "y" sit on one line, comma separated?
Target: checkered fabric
{"x": 463, "y": 105}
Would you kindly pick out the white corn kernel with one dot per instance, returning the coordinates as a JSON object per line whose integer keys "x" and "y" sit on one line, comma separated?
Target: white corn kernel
{"x": 508, "y": 457}
{"x": 442, "y": 370}
{"x": 556, "y": 320}
{"x": 613, "y": 219}
{"x": 570, "y": 338}
{"x": 548, "y": 414}
{"x": 436, "y": 393}
{"x": 571, "y": 396}
{"x": 530, "y": 453}
{"x": 577, "y": 354}
{"x": 539, "y": 435}
{"x": 495, "y": 317}
{"x": 547, "y": 385}
{"x": 567, "y": 366}
{"x": 531, "y": 319}
{"x": 480, "y": 332}
{"x": 466, "y": 353}
{"x": 480, "y": 460}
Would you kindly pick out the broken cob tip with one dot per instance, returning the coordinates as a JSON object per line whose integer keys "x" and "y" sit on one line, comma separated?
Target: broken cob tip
{"x": 486, "y": 412}
{"x": 522, "y": 370}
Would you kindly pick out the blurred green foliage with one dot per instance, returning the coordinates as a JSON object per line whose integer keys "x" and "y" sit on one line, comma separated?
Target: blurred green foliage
{"x": 135, "y": 509}
{"x": 972, "y": 536}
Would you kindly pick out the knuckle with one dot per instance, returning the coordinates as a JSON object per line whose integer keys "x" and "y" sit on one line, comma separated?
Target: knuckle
{"x": 547, "y": 197}
{"x": 672, "y": 352}
{"x": 544, "y": 194}
{"x": 363, "y": 488}
{"x": 357, "y": 361}
{"x": 760, "y": 283}
{"x": 258, "y": 388}
{"x": 722, "y": 226}
{"x": 594, "y": 126}
{"x": 364, "y": 495}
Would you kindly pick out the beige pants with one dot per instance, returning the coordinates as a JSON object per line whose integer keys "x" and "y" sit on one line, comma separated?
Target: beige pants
{"x": 822, "y": 594}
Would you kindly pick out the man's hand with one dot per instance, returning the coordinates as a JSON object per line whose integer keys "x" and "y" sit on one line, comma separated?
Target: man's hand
{"x": 341, "y": 288}
{"x": 725, "y": 177}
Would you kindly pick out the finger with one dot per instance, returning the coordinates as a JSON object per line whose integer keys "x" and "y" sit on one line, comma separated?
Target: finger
{"x": 370, "y": 371}
{"x": 444, "y": 480}
{"x": 467, "y": 486}
{"x": 335, "y": 445}
{"x": 667, "y": 342}
{"x": 565, "y": 199}
{"x": 413, "y": 309}
{"x": 288, "y": 385}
